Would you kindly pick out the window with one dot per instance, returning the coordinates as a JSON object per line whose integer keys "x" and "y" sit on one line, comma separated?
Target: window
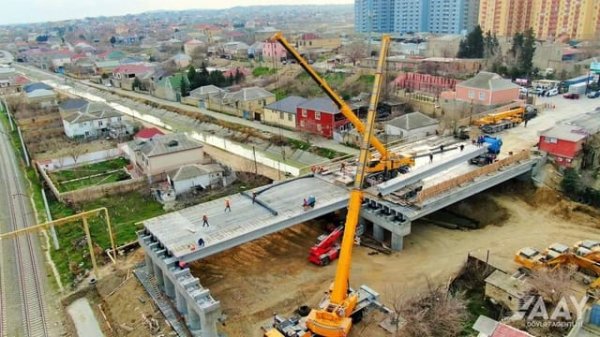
{"x": 304, "y": 113}
{"x": 281, "y": 116}
{"x": 481, "y": 96}
{"x": 318, "y": 115}
{"x": 99, "y": 123}
{"x": 290, "y": 117}
{"x": 319, "y": 127}
{"x": 471, "y": 94}
{"x": 550, "y": 140}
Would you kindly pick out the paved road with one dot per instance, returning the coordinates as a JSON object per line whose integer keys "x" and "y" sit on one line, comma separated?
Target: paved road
{"x": 22, "y": 276}
{"x": 318, "y": 141}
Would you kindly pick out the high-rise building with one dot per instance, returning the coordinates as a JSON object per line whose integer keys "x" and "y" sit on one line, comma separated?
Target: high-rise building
{"x": 374, "y": 16}
{"x": 578, "y": 19}
{"x": 404, "y": 16}
{"x": 505, "y": 17}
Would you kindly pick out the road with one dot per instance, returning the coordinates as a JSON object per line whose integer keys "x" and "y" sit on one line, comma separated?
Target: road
{"x": 318, "y": 141}
{"x": 23, "y": 307}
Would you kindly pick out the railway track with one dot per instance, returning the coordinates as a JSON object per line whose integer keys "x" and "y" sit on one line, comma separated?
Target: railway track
{"x": 28, "y": 270}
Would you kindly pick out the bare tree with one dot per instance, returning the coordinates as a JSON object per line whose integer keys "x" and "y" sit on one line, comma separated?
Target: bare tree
{"x": 75, "y": 151}
{"x": 433, "y": 313}
{"x": 355, "y": 51}
{"x": 552, "y": 285}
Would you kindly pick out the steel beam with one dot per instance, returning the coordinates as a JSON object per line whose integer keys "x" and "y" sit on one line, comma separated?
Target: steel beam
{"x": 418, "y": 174}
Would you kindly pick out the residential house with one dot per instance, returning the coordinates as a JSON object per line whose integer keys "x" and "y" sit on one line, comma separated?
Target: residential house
{"x": 193, "y": 176}
{"x": 235, "y": 50}
{"x": 105, "y": 67}
{"x": 247, "y": 102}
{"x": 147, "y": 134}
{"x": 411, "y": 126}
{"x": 310, "y": 41}
{"x": 110, "y": 55}
{"x": 487, "y": 89}
{"x": 182, "y": 61}
{"x": 506, "y": 290}
{"x": 10, "y": 81}
{"x": 274, "y": 51}
{"x": 256, "y": 50}
{"x": 41, "y": 98}
{"x": 199, "y": 96}
{"x": 574, "y": 142}
{"x": 169, "y": 87}
{"x": 321, "y": 116}
{"x": 283, "y": 112}
{"x": 439, "y": 66}
{"x": 124, "y": 75}
{"x": 487, "y": 327}
{"x": 72, "y": 105}
{"x": 36, "y": 86}
{"x": 423, "y": 82}
{"x": 190, "y": 47}
{"x": 93, "y": 121}
{"x": 159, "y": 155}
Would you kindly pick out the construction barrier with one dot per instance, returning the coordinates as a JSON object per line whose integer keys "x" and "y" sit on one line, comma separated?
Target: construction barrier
{"x": 447, "y": 185}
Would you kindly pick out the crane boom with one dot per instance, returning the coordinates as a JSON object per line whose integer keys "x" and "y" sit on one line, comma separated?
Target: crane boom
{"x": 344, "y": 108}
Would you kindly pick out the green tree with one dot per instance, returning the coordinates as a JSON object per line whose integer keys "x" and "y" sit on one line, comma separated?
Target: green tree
{"x": 192, "y": 76}
{"x": 185, "y": 89}
{"x": 472, "y": 46}
{"x": 527, "y": 52}
{"x": 137, "y": 84}
{"x": 570, "y": 183}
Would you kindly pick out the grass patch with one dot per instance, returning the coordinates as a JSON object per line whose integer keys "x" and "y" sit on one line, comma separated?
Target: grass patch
{"x": 105, "y": 171}
{"x": 280, "y": 93}
{"x": 263, "y": 71}
{"x": 124, "y": 210}
{"x": 321, "y": 151}
{"x": 367, "y": 79}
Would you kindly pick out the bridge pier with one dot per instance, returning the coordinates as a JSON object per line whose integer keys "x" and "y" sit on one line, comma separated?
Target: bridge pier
{"x": 385, "y": 218}
{"x": 378, "y": 233}
{"x": 397, "y": 242}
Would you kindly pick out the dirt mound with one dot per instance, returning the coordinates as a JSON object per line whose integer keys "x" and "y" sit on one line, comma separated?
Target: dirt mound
{"x": 481, "y": 208}
{"x": 544, "y": 196}
{"x": 578, "y": 213}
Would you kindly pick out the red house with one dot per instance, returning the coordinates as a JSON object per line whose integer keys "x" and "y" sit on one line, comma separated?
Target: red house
{"x": 320, "y": 116}
{"x": 564, "y": 143}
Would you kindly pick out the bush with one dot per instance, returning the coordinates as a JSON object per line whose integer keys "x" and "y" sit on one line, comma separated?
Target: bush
{"x": 570, "y": 183}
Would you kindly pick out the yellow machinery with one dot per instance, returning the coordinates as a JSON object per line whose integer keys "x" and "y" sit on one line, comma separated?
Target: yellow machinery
{"x": 343, "y": 306}
{"x": 387, "y": 161}
{"x": 515, "y": 115}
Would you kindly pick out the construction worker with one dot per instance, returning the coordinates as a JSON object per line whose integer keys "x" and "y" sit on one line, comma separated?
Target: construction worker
{"x": 462, "y": 147}
{"x": 227, "y": 205}
{"x": 442, "y": 148}
{"x": 526, "y": 120}
{"x": 431, "y": 157}
{"x": 205, "y": 221}
{"x": 201, "y": 242}
{"x": 253, "y": 197}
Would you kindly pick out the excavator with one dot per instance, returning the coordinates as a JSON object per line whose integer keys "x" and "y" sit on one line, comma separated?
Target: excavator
{"x": 388, "y": 161}
{"x": 343, "y": 306}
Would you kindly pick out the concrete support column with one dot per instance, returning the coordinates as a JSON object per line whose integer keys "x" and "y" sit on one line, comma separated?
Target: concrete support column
{"x": 169, "y": 288}
{"x": 397, "y": 242}
{"x": 193, "y": 319}
{"x": 159, "y": 276}
{"x": 149, "y": 264}
{"x": 378, "y": 233}
{"x": 181, "y": 304}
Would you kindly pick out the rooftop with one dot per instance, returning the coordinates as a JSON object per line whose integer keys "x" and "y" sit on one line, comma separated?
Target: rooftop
{"x": 513, "y": 286}
{"x": 571, "y": 133}
{"x": 247, "y": 94}
{"x": 412, "y": 121}
{"x": 147, "y": 133}
{"x": 488, "y": 81}
{"x": 90, "y": 112}
{"x": 35, "y": 86}
{"x": 322, "y": 104}
{"x": 193, "y": 170}
{"x": 73, "y": 104}
{"x": 288, "y": 104}
{"x": 165, "y": 144}
{"x": 206, "y": 90}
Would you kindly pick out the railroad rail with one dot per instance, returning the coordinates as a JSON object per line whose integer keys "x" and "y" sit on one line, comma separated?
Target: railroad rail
{"x": 29, "y": 282}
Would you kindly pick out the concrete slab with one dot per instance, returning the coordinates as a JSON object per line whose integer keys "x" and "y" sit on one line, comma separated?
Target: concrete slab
{"x": 179, "y": 232}
{"x": 86, "y": 323}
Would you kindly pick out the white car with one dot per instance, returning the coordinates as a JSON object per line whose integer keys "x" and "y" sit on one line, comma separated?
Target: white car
{"x": 552, "y": 92}
{"x": 523, "y": 90}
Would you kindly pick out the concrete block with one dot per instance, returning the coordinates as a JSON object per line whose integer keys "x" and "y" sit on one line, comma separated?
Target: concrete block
{"x": 397, "y": 242}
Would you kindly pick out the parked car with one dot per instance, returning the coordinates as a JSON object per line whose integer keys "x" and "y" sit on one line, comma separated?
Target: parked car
{"x": 594, "y": 94}
{"x": 552, "y": 92}
{"x": 523, "y": 90}
{"x": 571, "y": 96}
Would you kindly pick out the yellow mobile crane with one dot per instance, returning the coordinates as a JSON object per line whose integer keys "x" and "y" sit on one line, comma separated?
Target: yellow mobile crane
{"x": 387, "y": 161}
{"x": 343, "y": 306}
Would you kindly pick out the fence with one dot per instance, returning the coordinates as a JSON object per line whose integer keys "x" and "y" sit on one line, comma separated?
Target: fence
{"x": 454, "y": 182}
{"x": 86, "y": 158}
{"x": 95, "y": 192}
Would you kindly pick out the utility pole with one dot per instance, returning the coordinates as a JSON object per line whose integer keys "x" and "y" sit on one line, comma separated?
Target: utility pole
{"x": 255, "y": 165}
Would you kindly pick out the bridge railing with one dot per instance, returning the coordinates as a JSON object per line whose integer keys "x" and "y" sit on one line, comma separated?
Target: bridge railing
{"x": 447, "y": 185}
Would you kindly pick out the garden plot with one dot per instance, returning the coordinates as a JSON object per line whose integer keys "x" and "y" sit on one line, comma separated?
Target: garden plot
{"x": 90, "y": 175}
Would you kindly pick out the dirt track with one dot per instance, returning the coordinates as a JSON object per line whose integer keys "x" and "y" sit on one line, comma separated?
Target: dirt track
{"x": 272, "y": 274}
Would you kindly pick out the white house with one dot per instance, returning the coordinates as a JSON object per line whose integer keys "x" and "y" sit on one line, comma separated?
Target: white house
{"x": 93, "y": 120}
{"x": 412, "y": 125}
{"x": 188, "y": 177}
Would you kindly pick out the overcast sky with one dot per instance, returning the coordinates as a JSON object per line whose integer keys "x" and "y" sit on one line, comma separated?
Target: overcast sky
{"x": 24, "y": 11}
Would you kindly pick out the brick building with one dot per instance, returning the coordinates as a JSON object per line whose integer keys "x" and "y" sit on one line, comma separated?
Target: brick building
{"x": 424, "y": 82}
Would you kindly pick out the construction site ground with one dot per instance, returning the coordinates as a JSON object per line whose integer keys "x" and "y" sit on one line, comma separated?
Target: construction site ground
{"x": 272, "y": 274}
